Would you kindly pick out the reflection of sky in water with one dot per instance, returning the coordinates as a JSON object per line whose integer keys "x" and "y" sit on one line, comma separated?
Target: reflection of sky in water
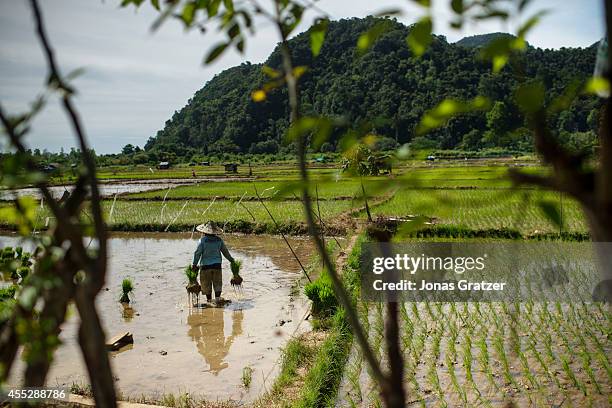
{"x": 106, "y": 189}
{"x": 206, "y": 349}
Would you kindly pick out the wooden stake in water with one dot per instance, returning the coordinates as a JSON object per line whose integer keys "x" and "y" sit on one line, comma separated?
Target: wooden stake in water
{"x": 202, "y": 215}
{"x": 177, "y": 215}
{"x": 235, "y": 208}
{"x": 42, "y": 207}
{"x": 282, "y": 235}
{"x": 112, "y": 210}
{"x": 161, "y": 214}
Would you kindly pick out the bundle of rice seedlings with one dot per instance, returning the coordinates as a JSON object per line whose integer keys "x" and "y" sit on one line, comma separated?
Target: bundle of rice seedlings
{"x": 192, "y": 274}
{"x": 127, "y": 287}
{"x": 192, "y": 278}
{"x": 235, "y": 267}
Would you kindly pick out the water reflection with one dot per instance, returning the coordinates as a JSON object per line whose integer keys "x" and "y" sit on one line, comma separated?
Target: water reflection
{"x": 127, "y": 313}
{"x": 207, "y": 330}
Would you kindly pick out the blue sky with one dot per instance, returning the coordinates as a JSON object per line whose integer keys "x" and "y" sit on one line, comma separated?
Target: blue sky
{"x": 134, "y": 80}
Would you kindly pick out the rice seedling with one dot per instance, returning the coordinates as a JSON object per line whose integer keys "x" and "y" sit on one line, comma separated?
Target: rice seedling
{"x": 352, "y": 375}
{"x": 586, "y": 365}
{"x": 572, "y": 376}
{"x": 127, "y": 287}
{"x": 467, "y": 360}
{"x": 434, "y": 382}
{"x": 483, "y": 360}
{"x": 498, "y": 345}
{"x": 247, "y": 376}
{"x": 453, "y": 376}
{"x": 435, "y": 346}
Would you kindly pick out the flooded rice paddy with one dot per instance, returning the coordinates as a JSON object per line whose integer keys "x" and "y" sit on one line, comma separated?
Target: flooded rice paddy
{"x": 180, "y": 348}
{"x": 109, "y": 188}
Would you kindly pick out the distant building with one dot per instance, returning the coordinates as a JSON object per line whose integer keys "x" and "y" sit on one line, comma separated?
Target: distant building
{"x": 431, "y": 158}
{"x": 50, "y": 168}
{"x": 204, "y": 163}
{"x": 163, "y": 165}
{"x": 231, "y": 168}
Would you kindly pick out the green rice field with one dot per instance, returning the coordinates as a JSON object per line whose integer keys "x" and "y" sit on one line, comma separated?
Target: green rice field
{"x": 472, "y": 197}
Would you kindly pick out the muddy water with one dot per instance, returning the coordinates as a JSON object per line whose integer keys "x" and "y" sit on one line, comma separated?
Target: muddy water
{"x": 107, "y": 189}
{"x": 180, "y": 348}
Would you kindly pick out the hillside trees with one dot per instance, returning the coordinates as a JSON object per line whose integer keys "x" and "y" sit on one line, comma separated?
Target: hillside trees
{"x": 386, "y": 86}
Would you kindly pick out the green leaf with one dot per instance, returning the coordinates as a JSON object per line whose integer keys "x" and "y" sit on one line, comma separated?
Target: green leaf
{"x": 229, "y": 5}
{"x": 258, "y": 95}
{"x": 389, "y": 12}
{"x": 523, "y": 4}
{"x": 302, "y": 126}
{"x": 597, "y": 85}
{"x": 126, "y": 3}
{"x": 322, "y": 133}
{"x": 317, "y": 36}
{"x": 565, "y": 100}
{"x": 498, "y": 51}
{"x": 491, "y": 14}
{"x": 457, "y": 6}
{"x": 530, "y": 97}
{"x": 233, "y": 31}
{"x": 420, "y": 36}
{"x": 240, "y": 45}
{"x": 212, "y": 7}
{"x": 28, "y": 297}
{"x": 551, "y": 211}
{"x": 447, "y": 109}
{"x": 155, "y": 4}
{"x": 188, "y": 13}
{"x": 423, "y": 3}
{"x": 367, "y": 39}
{"x": 216, "y": 52}
{"x": 529, "y": 24}
{"x": 271, "y": 72}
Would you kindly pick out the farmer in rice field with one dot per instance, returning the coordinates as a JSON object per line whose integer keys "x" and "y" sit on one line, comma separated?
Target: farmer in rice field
{"x": 208, "y": 258}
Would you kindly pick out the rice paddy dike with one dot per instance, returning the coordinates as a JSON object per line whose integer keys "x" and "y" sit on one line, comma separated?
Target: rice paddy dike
{"x": 459, "y": 199}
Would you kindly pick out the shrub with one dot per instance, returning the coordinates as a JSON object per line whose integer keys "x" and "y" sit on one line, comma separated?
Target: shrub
{"x": 321, "y": 293}
{"x": 8, "y": 292}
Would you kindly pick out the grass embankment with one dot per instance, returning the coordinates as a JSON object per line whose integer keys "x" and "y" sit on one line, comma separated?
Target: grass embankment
{"x": 311, "y": 370}
{"x": 248, "y": 217}
{"x": 216, "y": 170}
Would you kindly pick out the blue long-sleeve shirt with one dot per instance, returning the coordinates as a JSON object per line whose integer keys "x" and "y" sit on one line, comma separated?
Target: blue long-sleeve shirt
{"x": 209, "y": 250}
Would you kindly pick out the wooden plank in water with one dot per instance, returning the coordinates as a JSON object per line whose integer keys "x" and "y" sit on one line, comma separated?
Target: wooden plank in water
{"x": 120, "y": 340}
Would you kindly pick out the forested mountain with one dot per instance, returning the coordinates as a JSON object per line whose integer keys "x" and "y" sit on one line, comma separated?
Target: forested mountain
{"x": 386, "y": 86}
{"x": 481, "y": 40}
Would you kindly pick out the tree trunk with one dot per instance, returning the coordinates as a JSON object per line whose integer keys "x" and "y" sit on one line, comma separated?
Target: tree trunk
{"x": 92, "y": 341}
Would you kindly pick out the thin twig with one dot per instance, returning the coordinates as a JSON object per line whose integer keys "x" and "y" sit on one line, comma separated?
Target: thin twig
{"x": 343, "y": 296}
{"x": 282, "y": 235}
